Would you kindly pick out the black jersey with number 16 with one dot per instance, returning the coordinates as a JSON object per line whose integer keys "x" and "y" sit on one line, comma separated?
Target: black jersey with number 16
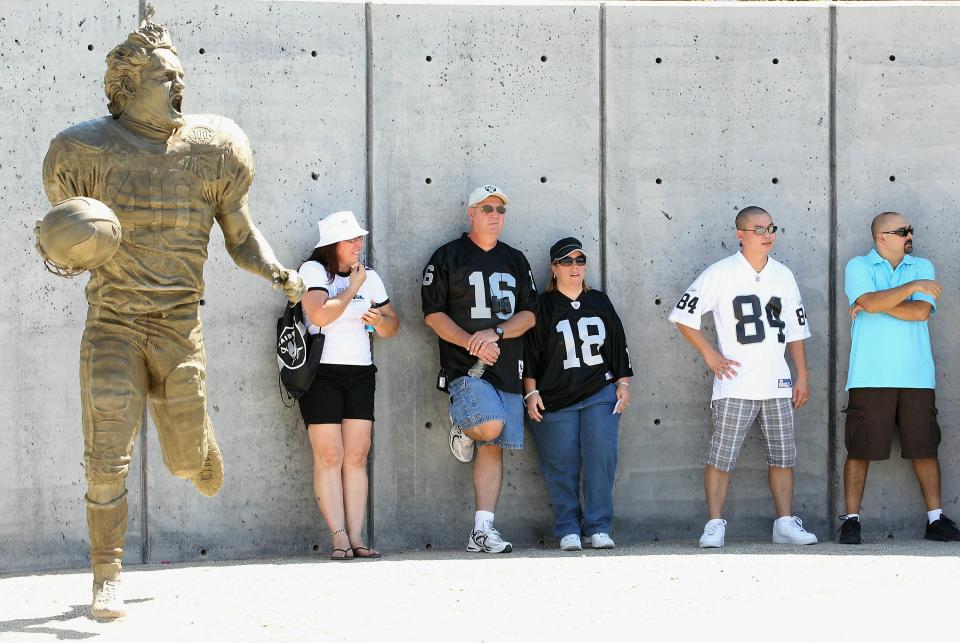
{"x": 479, "y": 289}
{"x": 576, "y": 348}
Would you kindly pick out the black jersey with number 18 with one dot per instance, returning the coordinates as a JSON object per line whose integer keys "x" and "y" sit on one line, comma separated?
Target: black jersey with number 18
{"x": 576, "y": 348}
{"x": 479, "y": 289}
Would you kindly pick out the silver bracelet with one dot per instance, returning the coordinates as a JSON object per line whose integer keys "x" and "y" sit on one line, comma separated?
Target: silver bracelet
{"x": 627, "y": 384}
{"x": 530, "y": 393}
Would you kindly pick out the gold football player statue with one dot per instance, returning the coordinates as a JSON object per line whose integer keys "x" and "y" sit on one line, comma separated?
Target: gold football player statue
{"x": 167, "y": 177}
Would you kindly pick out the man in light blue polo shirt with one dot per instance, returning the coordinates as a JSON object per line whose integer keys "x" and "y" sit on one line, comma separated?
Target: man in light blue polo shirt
{"x": 891, "y": 379}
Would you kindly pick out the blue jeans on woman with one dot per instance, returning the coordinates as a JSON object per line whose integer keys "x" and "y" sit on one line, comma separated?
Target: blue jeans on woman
{"x": 582, "y": 436}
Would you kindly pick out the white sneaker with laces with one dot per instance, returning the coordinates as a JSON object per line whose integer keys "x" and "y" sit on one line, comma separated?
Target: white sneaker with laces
{"x": 601, "y": 540}
{"x": 107, "y": 602}
{"x": 488, "y": 541}
{"x": 461, "y": 446}
{"x": 789, "y": 531}
{"x": 571, "y": 542}
{"x": 713, "y": 533}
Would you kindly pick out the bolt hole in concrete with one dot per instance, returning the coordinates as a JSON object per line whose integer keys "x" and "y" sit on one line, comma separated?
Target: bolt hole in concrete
{"x": 543, "y": 59}
{"x": 776, "y": 61}
{"x": 202, "y": 51}
{"x": 316, "y": 548}
{"x": 659, "y": 60}
{"x": 428, "y": 180}
{"x": 541, "y": 543}
{"x": 775, "y": 180}
{"x": 892, "y": 179}
{"x": 313, "y": 53}
{"x": 543, "y": 179}
{"x": 659, "y": 181}
{"x": 314, "y": 176}
{"x": 428, "y": 546}
{"x": 429, "y": 58}
{"x": 657, "y": 301}
{"x": 428, "y": 425}
{"x": 892, "y": 57}
{"x": 203, "y": 552}
{"x": 657, "y": 421}
{"x": 89, "y": 47}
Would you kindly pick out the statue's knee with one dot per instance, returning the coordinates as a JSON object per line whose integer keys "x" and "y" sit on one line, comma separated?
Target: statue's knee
{"x": 105, "y": 493}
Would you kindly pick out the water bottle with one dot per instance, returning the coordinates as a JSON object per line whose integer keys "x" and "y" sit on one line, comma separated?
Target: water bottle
{"x": 477, "y": 369}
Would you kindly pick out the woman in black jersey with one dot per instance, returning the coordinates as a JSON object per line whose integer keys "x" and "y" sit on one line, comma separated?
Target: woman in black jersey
{"x": 576, "y": 383}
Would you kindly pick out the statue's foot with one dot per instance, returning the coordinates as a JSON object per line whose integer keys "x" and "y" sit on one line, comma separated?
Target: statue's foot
{"x": 107, "y": 601}
{"x": 210, "y": 478}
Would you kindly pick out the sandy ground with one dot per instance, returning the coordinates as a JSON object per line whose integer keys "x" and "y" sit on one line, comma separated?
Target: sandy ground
{"x": 659, "y": 591}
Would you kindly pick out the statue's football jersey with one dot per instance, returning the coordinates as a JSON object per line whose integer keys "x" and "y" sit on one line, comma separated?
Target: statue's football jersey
{"x": 479, "y": 289}
{"x": 166, "y": 196}
{"x": 756, "y": 314}
{"x": 576, "y": 348}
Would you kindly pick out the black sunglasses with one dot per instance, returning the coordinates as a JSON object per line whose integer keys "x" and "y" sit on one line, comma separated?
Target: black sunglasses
{"x": 568, "y": 261}
{"x": 761, "y": 229}
{"x": 900, "y": 232}
{"x": 502, "y": 209}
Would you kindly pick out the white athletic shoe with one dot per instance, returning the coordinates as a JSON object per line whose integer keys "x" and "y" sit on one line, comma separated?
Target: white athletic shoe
{"x": 461, "y": 446}
{"x": 107, "y": 602}
{"x": 789, "y": 530}
{"x": 571, "y": 542}
{"x": 713, "y": 533}
{"x": 488, "y": 541}
{"x": 601, "y": 540}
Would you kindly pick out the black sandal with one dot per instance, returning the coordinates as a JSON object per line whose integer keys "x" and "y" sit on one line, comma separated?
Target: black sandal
{"x": 366, "y": 549}
{"x": 333, "y": 554}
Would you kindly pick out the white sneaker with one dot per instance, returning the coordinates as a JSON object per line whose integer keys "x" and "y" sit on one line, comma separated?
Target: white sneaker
{"x": 107, "y": 602}
{"x": 571, "y": 542}
{"x": 488, "y": 541}
{"x": 461, "y": 446}
{"x": 789, "y": 530}
{"x": 601, "y": 540}
{"x": 713, "y": 533}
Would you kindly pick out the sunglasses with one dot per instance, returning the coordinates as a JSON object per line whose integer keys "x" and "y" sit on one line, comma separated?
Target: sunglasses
{"x": 502, "y": 209}
{"x": 761, "y": 230}
{"x": 900, "y": 232}
{"x": 569, "y": 261}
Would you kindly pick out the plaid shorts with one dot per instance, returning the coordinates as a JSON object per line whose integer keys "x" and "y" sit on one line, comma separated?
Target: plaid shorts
{"x": 733, "y": 417}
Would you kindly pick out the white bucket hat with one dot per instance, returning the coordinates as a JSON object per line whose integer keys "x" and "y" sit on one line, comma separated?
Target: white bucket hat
{"x": 339, "y": 226}
{"x": 483, "y": 192}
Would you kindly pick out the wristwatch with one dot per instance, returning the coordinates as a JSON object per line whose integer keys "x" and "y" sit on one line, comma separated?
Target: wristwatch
{"x": 499, "y": 331}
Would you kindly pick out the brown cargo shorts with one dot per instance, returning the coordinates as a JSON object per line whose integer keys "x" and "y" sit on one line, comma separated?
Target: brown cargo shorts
{"x": 875, "y": 414}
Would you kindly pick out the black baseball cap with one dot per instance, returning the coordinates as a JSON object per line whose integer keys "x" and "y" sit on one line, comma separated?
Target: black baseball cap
{"x": 564, "y": 247}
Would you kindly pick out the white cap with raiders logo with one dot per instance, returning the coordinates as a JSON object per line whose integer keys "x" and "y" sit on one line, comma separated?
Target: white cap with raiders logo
{"x": 339, "y": 226}
{"x": 483, "y": 192}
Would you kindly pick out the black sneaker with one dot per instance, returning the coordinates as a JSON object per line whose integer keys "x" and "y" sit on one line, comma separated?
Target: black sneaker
{"x": 942, "y": 529}
{"x": 850, "y": 531}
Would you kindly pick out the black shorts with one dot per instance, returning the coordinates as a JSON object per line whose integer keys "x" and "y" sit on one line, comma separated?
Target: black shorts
{"x": 875, "y": 414}
{"x": 338, "y": 392}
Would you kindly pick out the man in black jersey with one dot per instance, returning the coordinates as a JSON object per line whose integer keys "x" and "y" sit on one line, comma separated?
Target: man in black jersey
{"x": 479, "y": 297}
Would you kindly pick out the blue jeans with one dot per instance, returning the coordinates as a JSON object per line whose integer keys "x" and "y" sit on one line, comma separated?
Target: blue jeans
{"x": 582, "y": 436}
{"x": 474, "y": 401}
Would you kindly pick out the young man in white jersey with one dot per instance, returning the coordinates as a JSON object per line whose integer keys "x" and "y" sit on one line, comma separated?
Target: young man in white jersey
{"x": 758, "y": 312}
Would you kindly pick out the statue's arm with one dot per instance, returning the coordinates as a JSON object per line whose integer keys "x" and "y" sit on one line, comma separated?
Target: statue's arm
{"x": 250, "y": 250}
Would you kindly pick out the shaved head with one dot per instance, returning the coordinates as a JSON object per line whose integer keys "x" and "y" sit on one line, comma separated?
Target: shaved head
{"x": 881, "y": 222}
{"x": 744, "y": 215}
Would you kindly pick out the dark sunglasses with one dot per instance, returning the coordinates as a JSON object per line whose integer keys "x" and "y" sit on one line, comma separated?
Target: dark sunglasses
{"x": 900, "y": 232}
{"x": 761, "y": 230}
{"x": 502, "y": 209}
{"x": 568, "y": 261}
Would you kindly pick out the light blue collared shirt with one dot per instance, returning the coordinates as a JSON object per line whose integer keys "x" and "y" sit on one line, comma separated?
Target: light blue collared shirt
{"x": 886, "y": 351}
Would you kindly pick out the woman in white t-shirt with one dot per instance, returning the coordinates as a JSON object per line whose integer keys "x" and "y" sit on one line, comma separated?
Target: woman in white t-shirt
{"x": 346, "y": 302}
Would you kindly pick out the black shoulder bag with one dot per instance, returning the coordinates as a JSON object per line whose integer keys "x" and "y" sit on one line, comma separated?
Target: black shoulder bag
{"x": 298, "y": 352}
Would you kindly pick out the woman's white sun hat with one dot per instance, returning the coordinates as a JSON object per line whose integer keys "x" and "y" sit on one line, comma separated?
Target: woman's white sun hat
{"x": 339, "y": 226}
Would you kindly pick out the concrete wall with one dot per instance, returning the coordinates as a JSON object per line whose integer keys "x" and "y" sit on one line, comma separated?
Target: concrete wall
{"x": 641, "y": 128}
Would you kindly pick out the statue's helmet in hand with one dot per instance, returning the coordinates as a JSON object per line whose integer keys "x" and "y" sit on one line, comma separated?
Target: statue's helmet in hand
{"x": 77, "y": 234}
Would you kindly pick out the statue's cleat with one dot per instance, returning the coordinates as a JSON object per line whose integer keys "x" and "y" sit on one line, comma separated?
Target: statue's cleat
{"x": 210, "y": 478}
{"x": 107, "y": 602}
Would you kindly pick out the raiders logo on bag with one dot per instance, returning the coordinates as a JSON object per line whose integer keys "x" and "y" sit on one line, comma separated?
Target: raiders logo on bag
{"x": 298, "y": 352}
